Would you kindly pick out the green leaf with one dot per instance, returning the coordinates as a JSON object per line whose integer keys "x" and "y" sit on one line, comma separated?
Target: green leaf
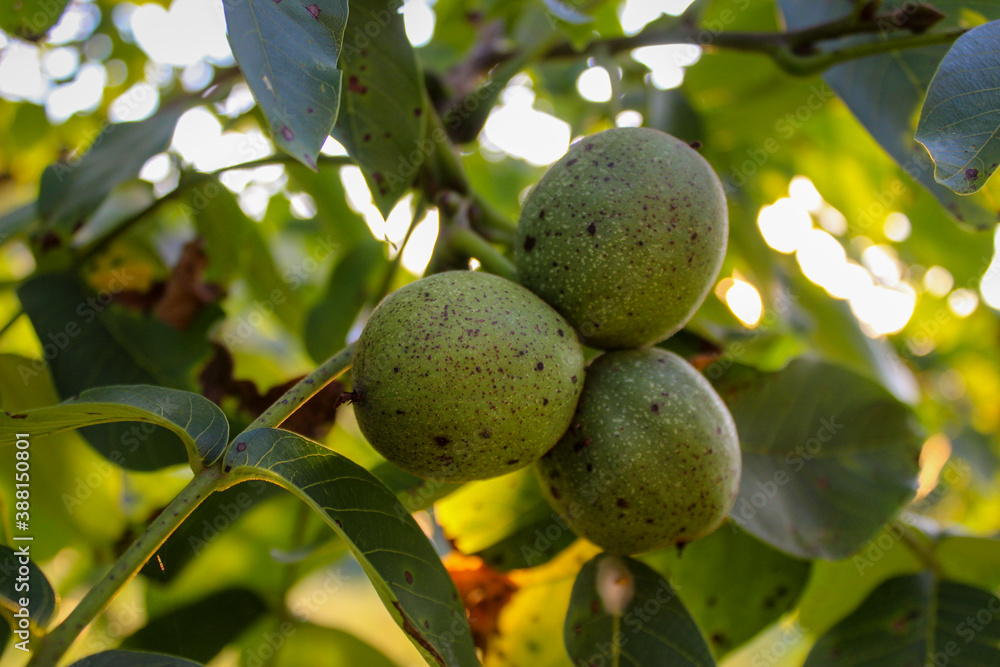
{"x": 237, "y": 249}
{"x": 182, "y": 631}
{"x": 624, "y": 613}
{"x": 132, "y": 659}
{"x": 333, "y": 213}
{"x": 383, "y": 117}
{"x": 198, "y": 422}
{"x": 828, "y": 456}
{"x": 838, "y": 587}
{"x": 884, "y": 92}
{"x": 30, "y": 19}
{"x": 732, "y": 584}
{"x": 17, "y": 220}
{"x": 970, "y": 560}
{"x": 401, "y": 563}
{"x": 960, "y": 118}
{"x": 41, "y": 597}
{"x": 505, "y": 520}
{"x": 70, "y": 192}
{"x": 89, "y": 343}
{"x": 288, "y": 53}
{"x": 915, "y": 620}
{"x": 211, "y": 518}
{"x": 349, "y": 288}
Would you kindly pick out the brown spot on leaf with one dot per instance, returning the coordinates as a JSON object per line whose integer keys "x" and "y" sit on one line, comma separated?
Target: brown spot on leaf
{"x": 412, "y": 630}
{"x": 314, "y": 10}
{"x": 355, "y": 86}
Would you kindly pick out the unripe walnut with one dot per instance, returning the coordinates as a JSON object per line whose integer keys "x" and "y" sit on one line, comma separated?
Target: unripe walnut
{"x": 652, "y": 458}
{"x": 464, "y": 375}
{"x": 624, "y": 236}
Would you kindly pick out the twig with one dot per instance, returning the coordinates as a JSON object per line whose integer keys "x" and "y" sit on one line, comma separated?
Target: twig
{"x": 57, "y": 642}
{"x": 194, "y": 180}
{"x": 795, "y": 51}
{"x": 472, "y": 244}
{"x": 305, "y": 389}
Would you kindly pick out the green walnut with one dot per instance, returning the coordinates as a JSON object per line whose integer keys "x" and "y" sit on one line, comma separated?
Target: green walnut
{"x": 624, "y": 236}
{"x": 465, "y": 375}
{"x": 652, "y": 458}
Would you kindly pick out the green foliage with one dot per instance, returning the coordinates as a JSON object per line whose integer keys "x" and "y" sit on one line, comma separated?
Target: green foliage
{"x": 288, "y": 55}
{"x": 915, "y": 619}
{"x": 70, "y": 192}
{"x": 383, "y": 116}
{"x": 624, "y": 613}
{"x": 728, "y": 615}
{"x": 132, "y": 659}
{"x": 199, "y": 423}
{"x": 184, "y": 627}
{"x": 383, "y": 536}
{"x": 820, "y": 432}
{"x": 31, "y": 19}
{"x": 958, "y": 119}
{"x": 160, "y": 315}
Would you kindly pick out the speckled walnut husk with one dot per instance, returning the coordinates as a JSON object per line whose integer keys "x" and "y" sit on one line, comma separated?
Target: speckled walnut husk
{"x": 624, "y": 236}
{"x": 464, "y": 375}
{"x": 652, "y": 459}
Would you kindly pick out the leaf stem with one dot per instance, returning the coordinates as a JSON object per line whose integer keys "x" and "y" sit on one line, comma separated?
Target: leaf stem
{"x": 913, "y": 541}
{"x": 814, "y": 64}
{"x": 191, "y": 181}
{"x": 419, "y": 210}
{"x": 472, "y": 244}
{"x": 491, "y": 223}
{"x": 57, "y": 642}
{"x": 305, "y": 389}
{"x": 12, "y": 321}
{"x": 794, "y": 51}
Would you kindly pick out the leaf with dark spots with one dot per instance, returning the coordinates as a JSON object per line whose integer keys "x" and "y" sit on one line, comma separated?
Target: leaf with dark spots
{"x": 385, "y": 539}
{"x": 960, "y": 119}
{"x": 382, "y": 79}
{"x": 915, "y": 618}
{"x": 288, "y": 55}
{"x": 418, "y": 636}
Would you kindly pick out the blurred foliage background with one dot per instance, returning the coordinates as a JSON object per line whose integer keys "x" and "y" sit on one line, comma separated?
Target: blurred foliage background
{"x": 229, "y": 269}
